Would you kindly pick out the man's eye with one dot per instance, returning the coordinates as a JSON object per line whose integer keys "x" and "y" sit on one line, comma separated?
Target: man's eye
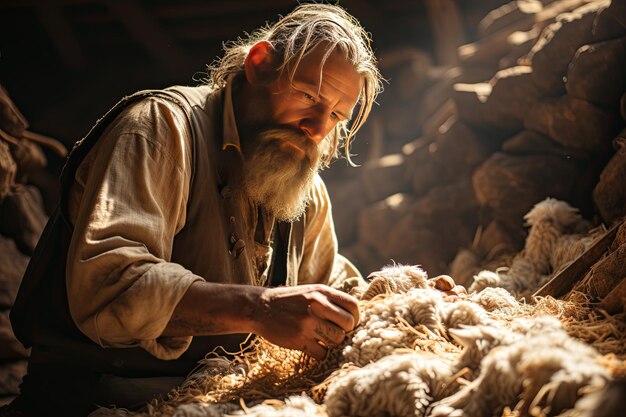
{"x": 334, "y": 116}
{"x": 309, "y": 97}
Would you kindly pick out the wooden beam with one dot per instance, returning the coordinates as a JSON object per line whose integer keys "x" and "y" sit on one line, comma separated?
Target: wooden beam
{"x": 21, "y": 4}
{"x": 182, "y": 9}
{"x": 148, "y": 34}
{"x": 61, "y": 35}
{"x": 615, "y": 301}
{"x": 564, "y": 281}
{"x": 219, "y": 31}
{"x": 448, "y": 29}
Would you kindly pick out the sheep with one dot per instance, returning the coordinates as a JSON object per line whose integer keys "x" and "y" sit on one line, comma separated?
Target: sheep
{"x": 478, "y": 341}
{"x": 549, "y": 219}
{"x": 395, "y": 279}
{"x": 492, "y": 299}
{"x": 416, "y": 304}
{"x": 379, "y": 333}
{"x": 537, "y": 358}
{"x": 400, "y": 385}
{"x": 548, "y": 247}
{"x": 463, "y": 312}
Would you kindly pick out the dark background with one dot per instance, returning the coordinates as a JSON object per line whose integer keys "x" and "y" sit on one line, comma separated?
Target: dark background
{"x": 65, "y": 62}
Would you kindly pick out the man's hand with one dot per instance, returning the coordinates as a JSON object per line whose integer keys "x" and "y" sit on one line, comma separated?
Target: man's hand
{"x": 310, "y": 318}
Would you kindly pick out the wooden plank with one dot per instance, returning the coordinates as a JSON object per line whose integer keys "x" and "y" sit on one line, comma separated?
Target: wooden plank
{"x": 448, "y": 29}
{"x": 62, "y": 36}
{"x": 148, "y": 34}
{"x": 561, "y": 283}
{"x": 615, "y": 301}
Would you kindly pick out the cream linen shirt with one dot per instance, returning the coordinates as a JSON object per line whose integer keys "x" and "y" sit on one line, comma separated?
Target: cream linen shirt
{"x": 127, "y": 204}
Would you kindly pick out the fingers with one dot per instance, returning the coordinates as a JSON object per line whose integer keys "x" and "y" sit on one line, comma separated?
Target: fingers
{"x": 326, "y": 310}
{"x": 325, "y": 335}
{"x": 314, "y": 349}
{"x": 328, "y": 333}
{"x": 345, "y": 301}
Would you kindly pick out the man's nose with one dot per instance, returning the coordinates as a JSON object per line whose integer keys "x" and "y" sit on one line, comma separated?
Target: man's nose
{"x": 315, "y": 127}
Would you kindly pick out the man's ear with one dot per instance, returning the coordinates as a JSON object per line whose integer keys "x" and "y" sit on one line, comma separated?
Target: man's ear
{"x": 259, "y": 63}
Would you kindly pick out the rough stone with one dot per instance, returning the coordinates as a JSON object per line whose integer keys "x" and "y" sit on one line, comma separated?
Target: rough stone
{"x": 529, "y": 142}
{"x": 10, "y": 347}
{"x": 607, "y": 273}
{"x": 374, "y": 221}
{"x": 439, "y": 93}
{"x": 463, "y": 267}
{"x": 22, "y": 217}
{"x": 12, "y": 264}
{"x": 511, "y": 185}
{"x": 597, "y": 73}
{"x": 364, "y": 257}
{"x": 617, "y": 9}
{"x": 503, "y": 16}
{"x": 348, "y": 199}
{"x": 503, "y": 102}
{"x": 609, "y": 195}
{"x": 607, "y": 24}
{"x": 8, "y": 169}
{"x": 620, "y": 237}
{"x": 573, "y": 122}
{"x": 11, "y": 374}
{"x": 498, "y": 239}
{"x": 558, "y": 43}
{"x": 445, "y": 201}
{"x": 521, "y": 42}
{"x": 11, "y": 120}
{"x": 455, "y": 154}
{"x": 28, "y": 157}
{"x": 384, "y": 177}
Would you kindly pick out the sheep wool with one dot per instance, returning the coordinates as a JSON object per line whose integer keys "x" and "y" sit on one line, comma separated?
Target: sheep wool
{"x": 418, "y": 352}
{"x": 553, "y": 241}
{"x": 293, "y": 406}
{"x": 495, "y": 298}
{"x": 401, "y": 385}
{"x": 381, "y": 331}
{"x": 543, "y": 364}
{"x": 394, "y": 280}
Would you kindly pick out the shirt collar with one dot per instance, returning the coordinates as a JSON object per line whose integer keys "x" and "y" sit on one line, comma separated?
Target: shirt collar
{"x": 231, "y": 134}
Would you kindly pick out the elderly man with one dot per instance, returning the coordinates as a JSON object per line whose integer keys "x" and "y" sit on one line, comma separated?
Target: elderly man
{"x": 193, "y": 216}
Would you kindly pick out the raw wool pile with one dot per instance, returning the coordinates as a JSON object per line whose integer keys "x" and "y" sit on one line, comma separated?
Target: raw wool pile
{"x": 419, "y": 352}
{"x": 557, "y": 236}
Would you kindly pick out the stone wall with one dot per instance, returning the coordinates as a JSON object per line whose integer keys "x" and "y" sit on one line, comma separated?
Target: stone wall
{"x": 534, "y": 109}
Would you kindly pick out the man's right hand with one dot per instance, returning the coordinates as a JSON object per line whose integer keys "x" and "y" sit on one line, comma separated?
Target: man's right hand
{"x": 310, "y": 318}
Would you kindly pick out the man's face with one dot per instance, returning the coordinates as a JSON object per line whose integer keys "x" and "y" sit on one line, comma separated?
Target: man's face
{"x": 289, "y": 121}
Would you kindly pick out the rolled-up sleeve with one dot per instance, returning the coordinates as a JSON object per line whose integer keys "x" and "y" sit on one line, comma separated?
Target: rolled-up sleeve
{"x": 127, "y": 204}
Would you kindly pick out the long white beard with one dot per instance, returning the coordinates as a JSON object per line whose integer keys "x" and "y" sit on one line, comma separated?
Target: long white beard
{"x": 280, "y": 180}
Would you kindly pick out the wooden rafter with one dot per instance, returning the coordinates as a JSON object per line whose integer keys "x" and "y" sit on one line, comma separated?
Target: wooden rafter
{"x": 147, "y": 33}
{"x": 61, "y": 35}
{"x": 186, "y": 9}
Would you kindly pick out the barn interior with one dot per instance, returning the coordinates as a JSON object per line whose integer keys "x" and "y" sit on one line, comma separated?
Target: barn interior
{"x": 494, "y": 160}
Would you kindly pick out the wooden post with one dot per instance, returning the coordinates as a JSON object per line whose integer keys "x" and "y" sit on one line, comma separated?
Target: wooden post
{"x": 448, "y": 30}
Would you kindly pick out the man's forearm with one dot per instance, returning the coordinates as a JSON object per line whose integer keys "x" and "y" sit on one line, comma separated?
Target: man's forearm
{"x": 211, "y": 309}
{"x": 297, "y": 317}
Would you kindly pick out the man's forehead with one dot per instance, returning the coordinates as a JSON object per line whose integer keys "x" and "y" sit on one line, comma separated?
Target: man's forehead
{"x": 333, "y": 74}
